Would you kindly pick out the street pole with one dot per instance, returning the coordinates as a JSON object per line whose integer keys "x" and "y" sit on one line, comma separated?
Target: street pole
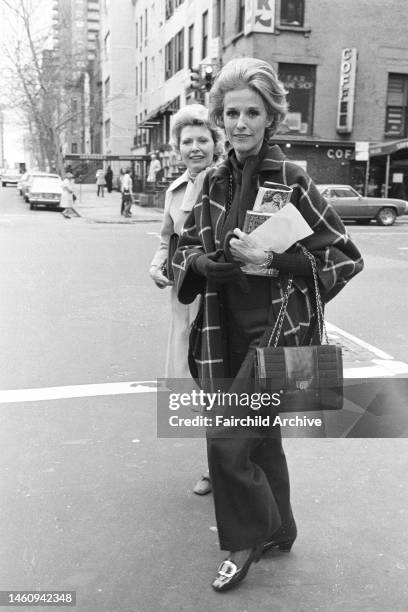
{"x": 387, "y": 176}
{"x": 366, "y": 177}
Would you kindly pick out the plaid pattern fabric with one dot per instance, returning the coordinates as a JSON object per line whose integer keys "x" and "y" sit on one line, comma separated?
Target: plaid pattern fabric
{"x": 337, "y": 258}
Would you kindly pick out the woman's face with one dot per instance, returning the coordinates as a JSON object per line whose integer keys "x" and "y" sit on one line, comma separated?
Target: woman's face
{"x": 196, "y": 147}
{"x": 245, "y": 120}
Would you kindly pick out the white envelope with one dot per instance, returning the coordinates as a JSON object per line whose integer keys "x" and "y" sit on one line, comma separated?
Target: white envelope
{"x": 282, "y": 229}
{"x": 278, "y": 233}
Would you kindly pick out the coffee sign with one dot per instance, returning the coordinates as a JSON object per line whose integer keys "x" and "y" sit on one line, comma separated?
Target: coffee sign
{"x": 345, "y": 109}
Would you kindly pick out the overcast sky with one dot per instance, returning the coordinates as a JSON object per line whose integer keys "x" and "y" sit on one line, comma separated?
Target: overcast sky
{"x": 13, "y": 132}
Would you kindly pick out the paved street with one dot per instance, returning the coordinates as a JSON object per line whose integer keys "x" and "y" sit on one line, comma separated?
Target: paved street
{"x": 93, "y": 501}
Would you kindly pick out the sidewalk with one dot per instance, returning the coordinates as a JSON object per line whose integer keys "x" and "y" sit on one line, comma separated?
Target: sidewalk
{"x": 107, "y": 209}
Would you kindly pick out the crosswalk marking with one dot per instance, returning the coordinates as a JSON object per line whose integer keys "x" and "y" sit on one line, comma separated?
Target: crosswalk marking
{"x": 361, "y": 360}
{"x": 74, "y": 391}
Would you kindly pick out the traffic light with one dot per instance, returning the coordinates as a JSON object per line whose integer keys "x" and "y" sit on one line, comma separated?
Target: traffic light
{"x": 208, "y": 77}
{"x": 195, "y": 81}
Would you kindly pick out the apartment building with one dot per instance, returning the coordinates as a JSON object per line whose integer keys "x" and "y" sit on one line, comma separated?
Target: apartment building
{"x": 171, "y": 38}
{"x": 75, "y": 35}
{"x": 347, "y": 78}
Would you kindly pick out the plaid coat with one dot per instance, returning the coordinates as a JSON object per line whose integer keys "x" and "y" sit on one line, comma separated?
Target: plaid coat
{"x": 337, "y": 258}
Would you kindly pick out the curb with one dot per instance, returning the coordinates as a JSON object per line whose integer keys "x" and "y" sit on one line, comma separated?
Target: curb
{"x": 121, "y": 221}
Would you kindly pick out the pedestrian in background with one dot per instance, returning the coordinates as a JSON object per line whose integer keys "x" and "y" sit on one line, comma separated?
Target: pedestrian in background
{"x": 199, "y": 144}
{"x": 109, "y": 179}
{"x": 100, "y": 182}
{"x": 127, "y": 189}
{"x": 248, "y": 469}
{"x": 68, "y": 193}
{"x": 154, "y": 168}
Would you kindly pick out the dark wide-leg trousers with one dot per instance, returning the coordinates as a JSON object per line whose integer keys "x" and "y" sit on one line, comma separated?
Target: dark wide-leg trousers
{"x": 249, "y": 475}
{"x": 250, "y": 484}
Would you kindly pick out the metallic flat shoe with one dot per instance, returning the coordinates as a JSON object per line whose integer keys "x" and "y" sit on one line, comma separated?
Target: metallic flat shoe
{"x": 229, "y": 574}
{"x": 203, "y": 486}
{"x": 283, "y": 538}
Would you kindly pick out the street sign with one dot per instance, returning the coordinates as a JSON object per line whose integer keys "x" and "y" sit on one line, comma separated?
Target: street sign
{"x": 362, "y": 151}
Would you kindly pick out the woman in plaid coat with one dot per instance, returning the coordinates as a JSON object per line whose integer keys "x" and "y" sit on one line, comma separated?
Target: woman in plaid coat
{"x": 248, "y": 468}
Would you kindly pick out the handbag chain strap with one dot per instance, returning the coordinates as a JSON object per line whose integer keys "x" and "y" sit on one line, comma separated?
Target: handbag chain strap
{"x": 277, "y": 328}
{"x": 228, "y": 203}
{"x": 319, "y": 306}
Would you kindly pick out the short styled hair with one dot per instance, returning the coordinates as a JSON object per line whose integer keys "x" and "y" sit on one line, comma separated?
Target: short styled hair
{"x": 255, "y": 74}
{"x": 195, "y": 114}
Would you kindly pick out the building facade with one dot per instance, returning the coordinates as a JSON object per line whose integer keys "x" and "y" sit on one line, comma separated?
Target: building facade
{"x": 172, "y": 39}
{"x": 347, "y": 80}
{"x": 346, "y": 77}
{"x": 75, "y": 35}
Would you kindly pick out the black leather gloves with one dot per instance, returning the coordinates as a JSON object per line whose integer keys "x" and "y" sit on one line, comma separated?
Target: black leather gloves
{"x": 217, "y": 272}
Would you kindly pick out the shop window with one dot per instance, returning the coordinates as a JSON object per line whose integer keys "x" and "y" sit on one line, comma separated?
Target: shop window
{"x": 299, "y": 81}
{"x": 397, "y": 106}
{"x": 292, "y": 12}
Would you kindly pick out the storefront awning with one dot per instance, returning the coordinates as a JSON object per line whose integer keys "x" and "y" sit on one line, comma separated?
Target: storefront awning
{"x": 387, "y": 148}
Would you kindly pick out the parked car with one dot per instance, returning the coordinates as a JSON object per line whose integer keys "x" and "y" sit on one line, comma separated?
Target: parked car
{"x": 10, "y": 177}
{"x": 352, "y": 206}
{"x": 44, "y": 191}
{"x": 27, "y": 179}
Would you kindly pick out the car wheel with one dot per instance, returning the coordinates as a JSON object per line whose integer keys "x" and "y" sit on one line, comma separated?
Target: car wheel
{"x": 363, "y": 221}
{"x": 32, "y": 206}
{"x": 386, "y": 216}
{"x": 3, "y": 184}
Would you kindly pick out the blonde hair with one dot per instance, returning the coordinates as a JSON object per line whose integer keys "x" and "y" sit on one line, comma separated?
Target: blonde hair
{"x": 195, "y": 114}
{"x": 257, "y": 75}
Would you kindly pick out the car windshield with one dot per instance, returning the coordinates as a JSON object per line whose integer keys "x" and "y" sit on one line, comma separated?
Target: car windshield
{"x": 346, "y": 192}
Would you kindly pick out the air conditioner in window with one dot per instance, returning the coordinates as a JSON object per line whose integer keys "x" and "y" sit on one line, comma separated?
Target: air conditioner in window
{"x": 293, "y": 121}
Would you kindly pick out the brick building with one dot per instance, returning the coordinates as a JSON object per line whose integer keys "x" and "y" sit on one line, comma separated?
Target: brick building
{"x": 356, "y": 50}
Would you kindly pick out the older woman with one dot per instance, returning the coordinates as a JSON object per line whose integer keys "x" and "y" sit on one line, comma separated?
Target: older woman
{"x": 199, "y": 144}
{"x": 249, "y": 472}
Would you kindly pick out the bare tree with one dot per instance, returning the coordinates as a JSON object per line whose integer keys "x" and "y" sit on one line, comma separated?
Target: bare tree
{"x": 40, "y": 83}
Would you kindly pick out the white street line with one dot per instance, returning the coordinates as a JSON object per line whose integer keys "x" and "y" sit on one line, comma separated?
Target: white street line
{"x": 368, "y": 233}
{"x": 73, "y": 391}
{"x": 382, "y": 365}
{"x": 369, "y": 347}
{"x": 378, "y": 368}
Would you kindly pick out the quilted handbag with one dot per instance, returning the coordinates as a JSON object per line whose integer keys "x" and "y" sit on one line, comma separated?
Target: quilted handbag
{"x": 307, "y": 378}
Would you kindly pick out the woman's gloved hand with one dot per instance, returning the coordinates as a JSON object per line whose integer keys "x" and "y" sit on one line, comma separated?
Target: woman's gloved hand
{"x": 216, "y": 271}
{"x": 160, "y": 280}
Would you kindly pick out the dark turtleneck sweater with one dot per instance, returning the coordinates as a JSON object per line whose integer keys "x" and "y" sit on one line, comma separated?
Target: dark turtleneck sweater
{"x": 245, "y": 186}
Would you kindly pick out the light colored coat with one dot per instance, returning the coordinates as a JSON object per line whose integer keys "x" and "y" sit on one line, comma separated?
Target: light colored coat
{"x": 180, "y": 199}
{"x": 67, "y": 199}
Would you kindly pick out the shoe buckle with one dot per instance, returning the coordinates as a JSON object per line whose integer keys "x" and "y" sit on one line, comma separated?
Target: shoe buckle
{"x": 227, "y": 569}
